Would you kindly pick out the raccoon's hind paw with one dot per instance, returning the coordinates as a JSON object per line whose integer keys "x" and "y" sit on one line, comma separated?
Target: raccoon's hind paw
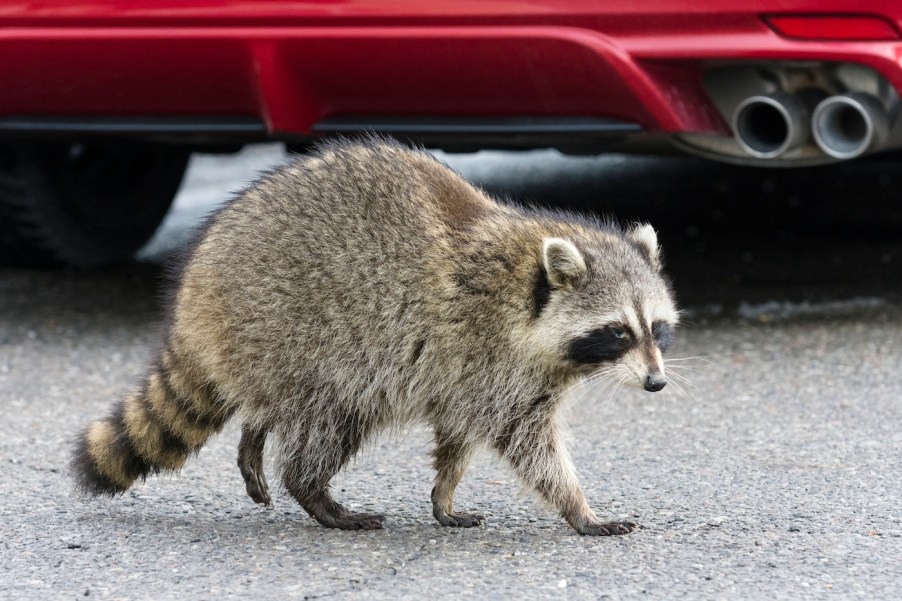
{"x": 359, "y": 521}
{"x": 330, "y": 513}
{"x": 460, "y": 519}
{"x": 607, "y": 528}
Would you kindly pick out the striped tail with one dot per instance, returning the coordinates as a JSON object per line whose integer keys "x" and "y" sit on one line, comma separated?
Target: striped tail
{"x": 152, "y": 430}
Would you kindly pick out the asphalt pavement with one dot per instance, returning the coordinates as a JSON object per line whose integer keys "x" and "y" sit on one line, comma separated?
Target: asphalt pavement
{"x": 772, "y": 474}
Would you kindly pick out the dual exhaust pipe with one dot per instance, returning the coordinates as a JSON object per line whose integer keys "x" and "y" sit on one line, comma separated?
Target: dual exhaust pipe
{"x": 843, "y": 126}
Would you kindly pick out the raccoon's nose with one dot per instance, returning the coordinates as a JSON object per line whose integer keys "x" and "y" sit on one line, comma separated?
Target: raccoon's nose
{"x": 655, "y": 382}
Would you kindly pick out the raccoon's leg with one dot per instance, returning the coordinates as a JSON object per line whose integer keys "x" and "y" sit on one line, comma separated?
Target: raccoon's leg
{"x": 308, "y": 473}
{"x": 535, "y": 449}
{"x": 250, "y": 462}
{"x": 157, "y": 428}
{"x": 451, "y": 458}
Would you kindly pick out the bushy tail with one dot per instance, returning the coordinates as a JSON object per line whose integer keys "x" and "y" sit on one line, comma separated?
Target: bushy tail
{"x": 154, "y": 429}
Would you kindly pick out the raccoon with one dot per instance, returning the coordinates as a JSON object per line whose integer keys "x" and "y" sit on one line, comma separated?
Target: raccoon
{"x": 368, "y": 286}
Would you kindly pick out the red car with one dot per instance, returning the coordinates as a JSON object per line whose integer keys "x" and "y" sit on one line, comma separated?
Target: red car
{"x": 101, "y": 102}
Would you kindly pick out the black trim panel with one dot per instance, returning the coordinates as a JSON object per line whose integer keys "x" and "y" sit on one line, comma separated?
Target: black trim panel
{"x": 143, "y": 125}
{"x": 515, "y": 126}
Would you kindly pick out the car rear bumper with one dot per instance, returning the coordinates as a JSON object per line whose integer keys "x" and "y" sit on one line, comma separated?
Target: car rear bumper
{"x": 305, "y": 70}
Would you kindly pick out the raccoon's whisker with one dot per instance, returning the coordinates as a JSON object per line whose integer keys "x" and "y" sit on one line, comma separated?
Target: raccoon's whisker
{"x": 586, "y": 383}
{"x": 681, "y": 367}
{"x": 686, "y": 365}
{"x": 575, "y": 393}
{"x": 687, "y": 396}
{"x": 681, "y": 391}
{"x": 682, "y": 378}
{"x": 702, "y": 358}
{"x": 598, "y": 386}
{"x": 610, "y": 387}
{"x": 618, "y": 384}
{"x": 676, "y": 386}
{"x": 604, "y": 373}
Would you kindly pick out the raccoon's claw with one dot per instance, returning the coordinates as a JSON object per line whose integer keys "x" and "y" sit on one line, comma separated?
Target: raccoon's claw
{"x": 607, "y": 528}
{"x": 359, "y": 521}
{"x": 250, "y": 462}
{"x": 255, "y": 481}
{"x": 460, "y": 519}
{"x": 258, "y": 490}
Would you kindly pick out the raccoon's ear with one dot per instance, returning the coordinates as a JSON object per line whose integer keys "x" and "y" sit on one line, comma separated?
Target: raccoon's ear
{"x": 564, "y": 264}
{"x": 646, "y": 239}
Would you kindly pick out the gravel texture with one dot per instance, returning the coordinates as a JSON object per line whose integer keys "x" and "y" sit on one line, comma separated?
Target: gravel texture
{"x": 775, "y": 476}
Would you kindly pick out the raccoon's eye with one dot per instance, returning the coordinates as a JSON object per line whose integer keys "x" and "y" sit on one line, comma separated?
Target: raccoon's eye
{"x": 600, "y": 346}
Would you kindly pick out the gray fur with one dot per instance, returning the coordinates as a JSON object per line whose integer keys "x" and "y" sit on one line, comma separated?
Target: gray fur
{"x": 367, "y": 286}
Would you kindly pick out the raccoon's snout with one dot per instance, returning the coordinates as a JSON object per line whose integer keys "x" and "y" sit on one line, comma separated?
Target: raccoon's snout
{"x": 654, "y": 382}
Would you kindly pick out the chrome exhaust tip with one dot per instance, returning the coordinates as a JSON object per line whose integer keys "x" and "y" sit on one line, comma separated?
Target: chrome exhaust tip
{"x": 769, "y": 126}
{"x": 849, "y": 125}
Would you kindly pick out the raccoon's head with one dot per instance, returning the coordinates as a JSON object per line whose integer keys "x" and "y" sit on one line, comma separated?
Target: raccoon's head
{"x": 603, "y": 304}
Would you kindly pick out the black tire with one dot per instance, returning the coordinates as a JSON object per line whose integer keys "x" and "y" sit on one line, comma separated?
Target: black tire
{"x": 84, "y": 204}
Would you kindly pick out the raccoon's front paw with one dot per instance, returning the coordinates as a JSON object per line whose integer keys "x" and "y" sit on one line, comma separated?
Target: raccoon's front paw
{"x": 257, "y": 488}
{"x": 607, "y": 528}
{"x": 460, "y": 519}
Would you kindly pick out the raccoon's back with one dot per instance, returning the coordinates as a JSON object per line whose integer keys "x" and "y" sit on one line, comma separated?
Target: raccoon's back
{"x": 324, "y": 265}
{"x": 339, "y": 203}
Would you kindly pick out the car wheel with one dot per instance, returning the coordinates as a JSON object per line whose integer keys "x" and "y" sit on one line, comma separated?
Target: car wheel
{"x": 84, "y": 204}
